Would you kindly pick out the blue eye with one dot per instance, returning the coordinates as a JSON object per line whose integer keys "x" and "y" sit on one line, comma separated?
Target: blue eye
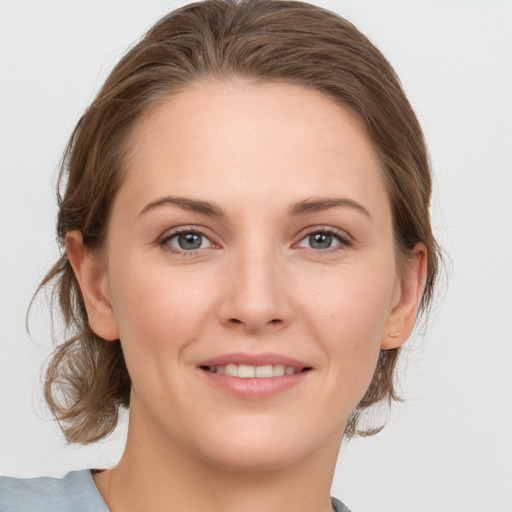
{"x": 187, "y": 241}
{"x": 322, "y": 240}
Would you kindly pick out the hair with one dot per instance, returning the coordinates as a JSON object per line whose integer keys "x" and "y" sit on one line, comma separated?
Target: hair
{"x": 257, "y": 40}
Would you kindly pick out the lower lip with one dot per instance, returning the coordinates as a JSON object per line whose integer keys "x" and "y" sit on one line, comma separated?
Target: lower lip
{"x": 255, "y": 388}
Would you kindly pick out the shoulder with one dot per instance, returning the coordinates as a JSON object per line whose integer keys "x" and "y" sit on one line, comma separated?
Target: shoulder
{"x": 338, "y": 506}
{"x": 74, "y": 492}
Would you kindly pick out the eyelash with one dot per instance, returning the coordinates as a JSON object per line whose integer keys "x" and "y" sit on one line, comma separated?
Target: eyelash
{"x": 164, "y": 242}
{"x": 344, "y": 241}
{"x": 343, "y": 238}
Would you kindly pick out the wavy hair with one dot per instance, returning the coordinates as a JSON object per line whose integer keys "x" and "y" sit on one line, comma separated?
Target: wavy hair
{"x": 258, "y": 40}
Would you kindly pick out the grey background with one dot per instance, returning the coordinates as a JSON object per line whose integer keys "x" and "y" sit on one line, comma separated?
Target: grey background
{"x": 449, "y": 446}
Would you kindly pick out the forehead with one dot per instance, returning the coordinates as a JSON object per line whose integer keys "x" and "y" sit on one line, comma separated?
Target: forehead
{"x": 227, "y": 140}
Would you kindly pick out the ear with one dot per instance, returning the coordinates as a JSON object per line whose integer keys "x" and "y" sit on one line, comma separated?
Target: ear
{"x": 92, "y": 277}
{"x": 406, "y": 298}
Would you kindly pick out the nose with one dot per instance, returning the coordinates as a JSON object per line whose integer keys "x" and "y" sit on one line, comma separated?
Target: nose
{"x": 255, "y": 296}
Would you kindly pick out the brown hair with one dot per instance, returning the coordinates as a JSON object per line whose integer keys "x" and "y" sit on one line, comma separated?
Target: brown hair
{"x": 260, "y": 40}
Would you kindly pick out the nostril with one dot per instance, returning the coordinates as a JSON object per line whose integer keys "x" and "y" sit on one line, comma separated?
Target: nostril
{"x": 237, "y": 321}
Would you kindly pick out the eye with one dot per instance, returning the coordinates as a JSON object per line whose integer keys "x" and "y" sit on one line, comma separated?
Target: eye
{"x": 324, "y": 239}
{"x": 188, "y": 240}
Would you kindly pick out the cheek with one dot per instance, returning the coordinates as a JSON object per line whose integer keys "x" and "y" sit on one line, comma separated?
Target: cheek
{"x": 353, "y": 304}
{"x": 348, "y": 317}
{"x": 159, "y": 314}
{"x": 157, "y": 310}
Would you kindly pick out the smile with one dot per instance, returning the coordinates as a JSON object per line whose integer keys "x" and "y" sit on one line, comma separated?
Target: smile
{"x": 255, "y": 376}
{"x": 245, "y": 371}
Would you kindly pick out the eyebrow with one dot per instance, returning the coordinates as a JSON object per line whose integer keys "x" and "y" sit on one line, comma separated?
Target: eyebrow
{"x": 320, "y": 204}
{"x": 194, "y": 205}
{"x": 301, "y": 208}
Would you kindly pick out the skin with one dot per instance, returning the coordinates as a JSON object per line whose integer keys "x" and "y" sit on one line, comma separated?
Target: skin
{"x": 255, "y": 285}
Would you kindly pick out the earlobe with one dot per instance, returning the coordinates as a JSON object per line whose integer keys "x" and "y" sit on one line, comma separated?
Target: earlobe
{"x": 402, "y": 317}
{"x": 92, "y": 277}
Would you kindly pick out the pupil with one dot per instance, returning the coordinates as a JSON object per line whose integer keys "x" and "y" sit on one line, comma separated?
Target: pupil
{"x": 190, "y": 241}
{"x": 320, "y": 240}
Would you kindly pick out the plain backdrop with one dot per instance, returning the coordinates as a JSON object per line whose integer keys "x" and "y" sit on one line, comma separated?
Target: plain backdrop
{"x": 449, "y": 446}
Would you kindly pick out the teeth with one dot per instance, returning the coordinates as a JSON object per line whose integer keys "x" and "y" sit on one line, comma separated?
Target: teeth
{"x": 231, "y": 370}
{"x": 264, "y": 371}
{"x": 278, "y": 370}
{"x": 245, "y": 371}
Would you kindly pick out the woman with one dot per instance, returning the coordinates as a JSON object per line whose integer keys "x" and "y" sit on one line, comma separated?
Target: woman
{"x": 247, "y": 243}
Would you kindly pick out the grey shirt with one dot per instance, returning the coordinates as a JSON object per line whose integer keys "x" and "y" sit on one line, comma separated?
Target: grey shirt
{"x": 75, "y": 492}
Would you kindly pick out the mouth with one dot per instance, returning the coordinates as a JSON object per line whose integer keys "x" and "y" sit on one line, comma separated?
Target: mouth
{"x": 255, "y": 376}
{"x": 246, "y": 371}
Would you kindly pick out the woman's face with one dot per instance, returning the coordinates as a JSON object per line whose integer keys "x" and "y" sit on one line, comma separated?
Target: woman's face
{"x": 251, "y": 238}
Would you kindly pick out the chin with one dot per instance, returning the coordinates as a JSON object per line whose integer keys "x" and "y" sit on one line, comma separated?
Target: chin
{"x": 247, "y": 459}
{"x": 265, "y": 448}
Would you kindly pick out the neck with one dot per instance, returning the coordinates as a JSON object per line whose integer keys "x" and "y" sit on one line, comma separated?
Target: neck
{"x": 155, "y": 474}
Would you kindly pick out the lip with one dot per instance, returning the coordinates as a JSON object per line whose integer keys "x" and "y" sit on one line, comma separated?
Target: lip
{"x": 254, "y": 388}
{"x": 266, "y": 358}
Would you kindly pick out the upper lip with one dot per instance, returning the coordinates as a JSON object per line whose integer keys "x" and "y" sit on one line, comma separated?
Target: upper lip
{"x": 264, "y": 359}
